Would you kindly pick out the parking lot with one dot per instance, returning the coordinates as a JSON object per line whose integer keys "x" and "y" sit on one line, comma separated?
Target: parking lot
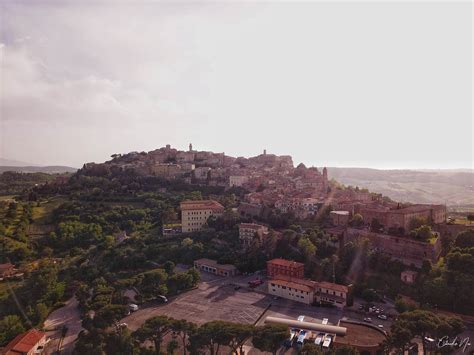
{"x": 230, "y": 299}
{"x": 214, "y": 299}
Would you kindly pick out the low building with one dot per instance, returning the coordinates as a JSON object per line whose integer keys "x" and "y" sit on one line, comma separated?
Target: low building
{"x": 299, "y": 290}
{"x": 308, "y": 291}
{"x": 211, "y": 266}
{"x": 194, "y": 214}
{"x": 249, "y": 210}
{"x": 339, "y": 218}
{"x": 331, "y": 293}
{"x": 282, "y": 267}
{"x": 248, "y": 232}
{"x": 408, "y": 276}
{"x": 27, "y": 343}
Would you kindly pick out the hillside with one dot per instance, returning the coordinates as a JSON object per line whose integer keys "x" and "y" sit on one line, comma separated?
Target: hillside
{"x": 455, "y": 188}
{"x": 54, "y": 169}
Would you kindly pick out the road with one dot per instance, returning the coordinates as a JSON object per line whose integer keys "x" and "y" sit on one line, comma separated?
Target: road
{"x": 68, "y": 316}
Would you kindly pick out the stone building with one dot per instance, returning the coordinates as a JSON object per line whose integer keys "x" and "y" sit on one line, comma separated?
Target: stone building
{"x": 194, "y": 214}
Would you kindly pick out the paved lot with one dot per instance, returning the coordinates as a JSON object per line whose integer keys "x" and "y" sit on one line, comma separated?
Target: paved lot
{"x": 215, "y": 299}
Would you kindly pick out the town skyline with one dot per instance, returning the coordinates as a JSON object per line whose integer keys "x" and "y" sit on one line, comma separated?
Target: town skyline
{"x": 338, "y": 85}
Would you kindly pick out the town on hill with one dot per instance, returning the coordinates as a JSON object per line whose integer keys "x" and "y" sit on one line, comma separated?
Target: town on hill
{"x": 222, "y": 252}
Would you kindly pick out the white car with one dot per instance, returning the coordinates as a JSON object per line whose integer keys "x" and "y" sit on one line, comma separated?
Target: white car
{"x": 382, "y": 316}
{"x": 380, "y": 326}
{"x": 300, "y": 318}
{"x": 133, "y": 307}
{"x": 325, "y": 321}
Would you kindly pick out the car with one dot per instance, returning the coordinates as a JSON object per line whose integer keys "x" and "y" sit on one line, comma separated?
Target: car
{"x": 300, "y": 318}
{"x": 122, "y": 325}
{"x": 325, "y": 321}
{"x": 300, "y": 340}
{"x": 368, "y": 320}
{"x": 382, "y": 316}
{"x": 380, "y": 326}
{"x": 319, "y": 339}
{"x": 133, "y": 307}
{"x": 162, "y": 298}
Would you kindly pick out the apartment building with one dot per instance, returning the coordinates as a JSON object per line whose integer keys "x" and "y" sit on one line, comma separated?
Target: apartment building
{"x": 194, "y": 214}
{"x": 249, "y": 231}
{"x": 282, "y": 267}
{"x": 328, "y": 292}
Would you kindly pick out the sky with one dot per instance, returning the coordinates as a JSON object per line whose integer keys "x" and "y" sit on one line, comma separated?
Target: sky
{"x": 359, "y": 84}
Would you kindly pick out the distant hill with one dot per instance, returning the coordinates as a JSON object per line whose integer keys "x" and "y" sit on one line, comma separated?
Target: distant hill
{"x": 39, "y": 169}
{"x": 9, "y": 162}
{"x": 453, "y": 187}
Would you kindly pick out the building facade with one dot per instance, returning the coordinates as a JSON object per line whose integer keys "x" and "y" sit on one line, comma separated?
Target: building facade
{"x": 282, "y": 267}
{"x": 248, "y": 232}
{"x": 211, "y": 266}
{"x": 194, "y": 214}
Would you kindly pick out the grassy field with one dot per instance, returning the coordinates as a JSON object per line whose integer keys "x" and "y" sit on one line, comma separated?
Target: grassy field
{"x": 42, "y": 213}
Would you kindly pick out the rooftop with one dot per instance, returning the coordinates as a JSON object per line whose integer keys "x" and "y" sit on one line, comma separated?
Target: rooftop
{"x": 213, "y": 263}
{"x": 201, "y": 205}
{"x": 23, "y": 343}
{"x": 284, "y": 262}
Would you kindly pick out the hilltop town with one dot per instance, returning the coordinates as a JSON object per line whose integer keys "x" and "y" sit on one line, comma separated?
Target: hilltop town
{"x": 202, "y": 243}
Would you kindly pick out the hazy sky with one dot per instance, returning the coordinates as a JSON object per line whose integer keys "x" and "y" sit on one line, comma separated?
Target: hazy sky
{"x": 372, "y": 84}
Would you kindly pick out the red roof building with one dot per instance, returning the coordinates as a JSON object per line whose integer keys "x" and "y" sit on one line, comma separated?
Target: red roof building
{"x": 27, "y": 343}
{"x": 285, "y": 267}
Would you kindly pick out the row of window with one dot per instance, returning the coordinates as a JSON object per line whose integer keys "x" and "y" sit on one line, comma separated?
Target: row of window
{"x": 289, "y": 289}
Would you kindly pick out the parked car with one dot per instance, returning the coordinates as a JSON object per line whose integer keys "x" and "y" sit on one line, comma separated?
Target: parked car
{"x": 382, "y": 316}
{"x": 123, "y": 325}
{"x": 380, "y": 326}
{"x": 133, "y": 307}
{"x": 325, "y": 321}
{"x": 162, "y": 298}
{"x": 300, "y": 318}
{"x": 368, "y": 320}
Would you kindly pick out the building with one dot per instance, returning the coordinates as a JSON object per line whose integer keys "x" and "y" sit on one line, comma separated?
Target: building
{"x": 408, "y": 276}
{"x": 308, "y": 291}
{"x": 27, "y": 343}
{"x": 194, "y": 214}
{"x": 339, "y": 218}
{"x": 7, "y": 270}
{"x": 237, "y": 180}
{"x": 248, "y": 232}
{"x": 295, "y": 289}
{"x": 282, "y": 267}
{"x": 331, "y": 293}
{"x": 211, "y": 266}
{"x": 408, "y": 250}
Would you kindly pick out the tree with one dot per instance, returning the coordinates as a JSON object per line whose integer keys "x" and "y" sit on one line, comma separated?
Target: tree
{"x": 240, "y": 333}
{"x": 417, "y": 222}
{"x": 399, "y": 338}
{"x": 171, "y": 347}
{"x": 210, "y": 336}
{"x": 182, "y": 328}
{"x": 10, "y": 326}
{"x": 311, "y": 349}
{"x": 154, "y": 329}
{"x": 169, "y": 267}
{"x": 357, "y": 220}
{"x": 306, "y": 248}
{"x": 375, "y": 226}
{"x": 465, "y": 239}
{"x": 346, "y": 350}
{"x": 270, "y": 337}
{"x": 470, "y": 217}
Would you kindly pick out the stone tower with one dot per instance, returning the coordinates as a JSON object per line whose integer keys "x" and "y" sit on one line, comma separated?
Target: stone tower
{"x": 190, "y": 147}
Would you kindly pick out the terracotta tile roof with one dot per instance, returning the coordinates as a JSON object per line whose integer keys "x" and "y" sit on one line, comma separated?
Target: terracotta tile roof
{"x": 334, "y": 287}
{"x": 284, "y": 262}
{"x": 201, "y": 205}
{"x": 23, "y": 343}
{"x": 292, "y": 284}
